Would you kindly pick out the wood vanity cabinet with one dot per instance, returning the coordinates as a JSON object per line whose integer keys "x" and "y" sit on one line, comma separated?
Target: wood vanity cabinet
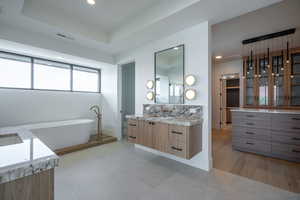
{"x": 181, "y": 141}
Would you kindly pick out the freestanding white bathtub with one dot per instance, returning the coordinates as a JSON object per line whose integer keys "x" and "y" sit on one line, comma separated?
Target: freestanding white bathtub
{"x": 61, "y": 134}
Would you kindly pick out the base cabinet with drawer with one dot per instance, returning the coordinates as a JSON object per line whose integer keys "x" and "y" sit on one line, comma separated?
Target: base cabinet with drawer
{"x": 181, "y": 141}
{"x": 270, "y": 133}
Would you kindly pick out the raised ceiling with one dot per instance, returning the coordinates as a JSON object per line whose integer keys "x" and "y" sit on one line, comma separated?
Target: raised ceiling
{"x": 227, "y": 35}
{"x": 115, "y": 26}
{"x": 105, "y": 15}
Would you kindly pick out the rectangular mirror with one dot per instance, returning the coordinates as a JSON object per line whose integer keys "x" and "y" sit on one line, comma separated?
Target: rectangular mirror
{"x": 169, "y": 76}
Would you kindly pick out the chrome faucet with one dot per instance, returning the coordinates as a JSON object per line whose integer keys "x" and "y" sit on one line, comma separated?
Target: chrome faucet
{"x": 96, "y": 110}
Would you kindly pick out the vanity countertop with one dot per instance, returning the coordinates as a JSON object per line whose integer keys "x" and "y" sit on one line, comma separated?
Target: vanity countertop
{"x": 23, "y": 154}
{"x": 271, "y": 111}
{"x": 180, "y": 121}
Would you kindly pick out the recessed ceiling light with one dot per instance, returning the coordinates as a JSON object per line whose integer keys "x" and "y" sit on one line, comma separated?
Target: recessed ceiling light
{"x": 219, "y": 57}
{"x": 91, "y": 2}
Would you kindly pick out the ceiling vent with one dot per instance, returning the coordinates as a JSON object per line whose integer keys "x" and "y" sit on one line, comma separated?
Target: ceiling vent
{"x": 64, "y": 36}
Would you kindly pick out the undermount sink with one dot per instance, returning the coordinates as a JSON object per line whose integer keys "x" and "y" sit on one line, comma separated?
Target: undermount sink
{"x": 9, "y": 139}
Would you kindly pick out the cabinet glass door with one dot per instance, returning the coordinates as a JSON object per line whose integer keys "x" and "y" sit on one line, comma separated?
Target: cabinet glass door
{"x": 250, "y": 82}
{"x": 263, "y": 82}
{"x": 278, "y": 80}
{"x": 295, "y": 80}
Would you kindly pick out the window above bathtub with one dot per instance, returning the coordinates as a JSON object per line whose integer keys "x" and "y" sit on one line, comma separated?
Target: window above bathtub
{"x": 25, "y": 72}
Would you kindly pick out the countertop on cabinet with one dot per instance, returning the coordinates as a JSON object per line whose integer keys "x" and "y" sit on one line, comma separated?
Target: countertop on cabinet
{"x": 271, "y": 111}
{"x": 180, "y": 121}
{"x": 23, "y": 155}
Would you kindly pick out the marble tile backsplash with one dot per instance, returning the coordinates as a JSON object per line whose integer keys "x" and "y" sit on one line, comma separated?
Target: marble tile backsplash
{"x": 172, "y": 110}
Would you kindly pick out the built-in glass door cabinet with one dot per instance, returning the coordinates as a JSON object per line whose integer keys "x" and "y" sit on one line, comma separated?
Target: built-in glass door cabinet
{"x": 273, "y": 83}
{"x": 294, "y": 76}
{"x": 278, "y": 72}
{"x": 263, "y": 80}
{"x": 250, "y": 97}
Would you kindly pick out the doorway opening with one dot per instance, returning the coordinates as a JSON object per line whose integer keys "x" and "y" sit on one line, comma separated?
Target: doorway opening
{"x": 128, "y": 94}
{"x": 229, "y": 98}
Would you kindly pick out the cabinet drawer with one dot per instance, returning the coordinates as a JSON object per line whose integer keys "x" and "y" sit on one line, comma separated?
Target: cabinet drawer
{"x": 290, "y": 118}
{"x": 254, "y": 123}
{"x": 132, "y": 122}
{"x": 252, "y": 133}
{"x": 286, "y": 126}
{"x": 177, "y": 133}
{"x": 250, "y": 116}
{"x": 132, "y": 131}
{"x": 286, "y": 151}
{"x": 178, "y": 149}
{"x": 286, "y": 139}
{"x": 131, "y": 139}
{"x": 252, "y": 144}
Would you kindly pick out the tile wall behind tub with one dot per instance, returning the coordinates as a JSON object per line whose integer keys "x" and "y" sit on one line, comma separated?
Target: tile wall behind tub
{"x": 172, "y": 110}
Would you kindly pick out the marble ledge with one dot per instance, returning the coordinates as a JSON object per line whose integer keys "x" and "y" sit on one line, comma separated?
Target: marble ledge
{"x": 271, "y": 111}
{"x": 23, "y": 158}
{"x": 168, "y": 120}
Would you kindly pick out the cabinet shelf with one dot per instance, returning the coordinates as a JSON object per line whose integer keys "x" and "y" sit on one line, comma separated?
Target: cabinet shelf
{"x": 235, "y": 87}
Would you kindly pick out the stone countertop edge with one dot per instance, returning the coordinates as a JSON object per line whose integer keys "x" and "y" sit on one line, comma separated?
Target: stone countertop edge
{"x": 20, "y": 171}
{"x": 20, "y": 164}
{"x": 174, "y": 121}
{"x": 272, "y": 111}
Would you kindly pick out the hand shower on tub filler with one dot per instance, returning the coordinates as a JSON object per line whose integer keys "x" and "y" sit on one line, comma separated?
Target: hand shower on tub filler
{"x": 98, "y": 113}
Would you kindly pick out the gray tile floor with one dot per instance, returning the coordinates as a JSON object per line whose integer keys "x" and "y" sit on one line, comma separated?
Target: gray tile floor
{"x": 119, "y": 171}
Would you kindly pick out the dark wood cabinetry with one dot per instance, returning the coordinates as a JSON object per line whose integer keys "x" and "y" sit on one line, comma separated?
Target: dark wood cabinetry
{"x": 273, "y": 82}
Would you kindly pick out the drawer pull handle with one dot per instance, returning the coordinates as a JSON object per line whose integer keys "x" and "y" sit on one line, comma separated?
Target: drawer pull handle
{"x": 250, "y": 124}
{"x": 250, "y": 133}
{"x": 151, "y": 123}
{"x": 132, "y": 137}
{"x": 249, "y": 115}
{"x": 250, "y": 143}
{"x": 295, "y": 138}
{"x": 176, "y": 132}
{"x": 177, "y": 149}
{"x": 296, "y": 151}
{"x": 298, "y": 119}
{"x": 132, "y": 124}
{"x": 296, "y": 128}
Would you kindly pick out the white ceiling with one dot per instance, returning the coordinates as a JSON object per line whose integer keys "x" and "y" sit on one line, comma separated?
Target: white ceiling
{"x": 227, "y": 36}
{"x": 105, "y": 15}
{"x": 115, "y": 26}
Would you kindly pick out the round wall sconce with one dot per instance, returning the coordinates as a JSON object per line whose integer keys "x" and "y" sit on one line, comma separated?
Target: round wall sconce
{"x": 150, "y": 84}
{"x": 190, "y": 80}
{"x": 150, "y": 96}
{"x": 190, "y": 94}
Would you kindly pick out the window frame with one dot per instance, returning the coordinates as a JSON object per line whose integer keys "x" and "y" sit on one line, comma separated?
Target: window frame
{"x": 32, "y": 58}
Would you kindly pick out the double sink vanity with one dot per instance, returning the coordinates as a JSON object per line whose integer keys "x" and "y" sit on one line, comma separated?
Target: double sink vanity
{"x": 26, "y": 166}
{"x": 172, "y": 129}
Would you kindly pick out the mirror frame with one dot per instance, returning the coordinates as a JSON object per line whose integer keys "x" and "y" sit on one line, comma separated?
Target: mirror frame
{"x": 183, "y": 75}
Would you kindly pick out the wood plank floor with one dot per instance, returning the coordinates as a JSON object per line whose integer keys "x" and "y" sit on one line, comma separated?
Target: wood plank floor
{"x": 278, "y": 173}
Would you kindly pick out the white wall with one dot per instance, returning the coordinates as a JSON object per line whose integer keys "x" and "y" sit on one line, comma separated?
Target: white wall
{"x": 226, "y": 67}
{"x": 197, "y": 61}
{"x": 26, "y": 106}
